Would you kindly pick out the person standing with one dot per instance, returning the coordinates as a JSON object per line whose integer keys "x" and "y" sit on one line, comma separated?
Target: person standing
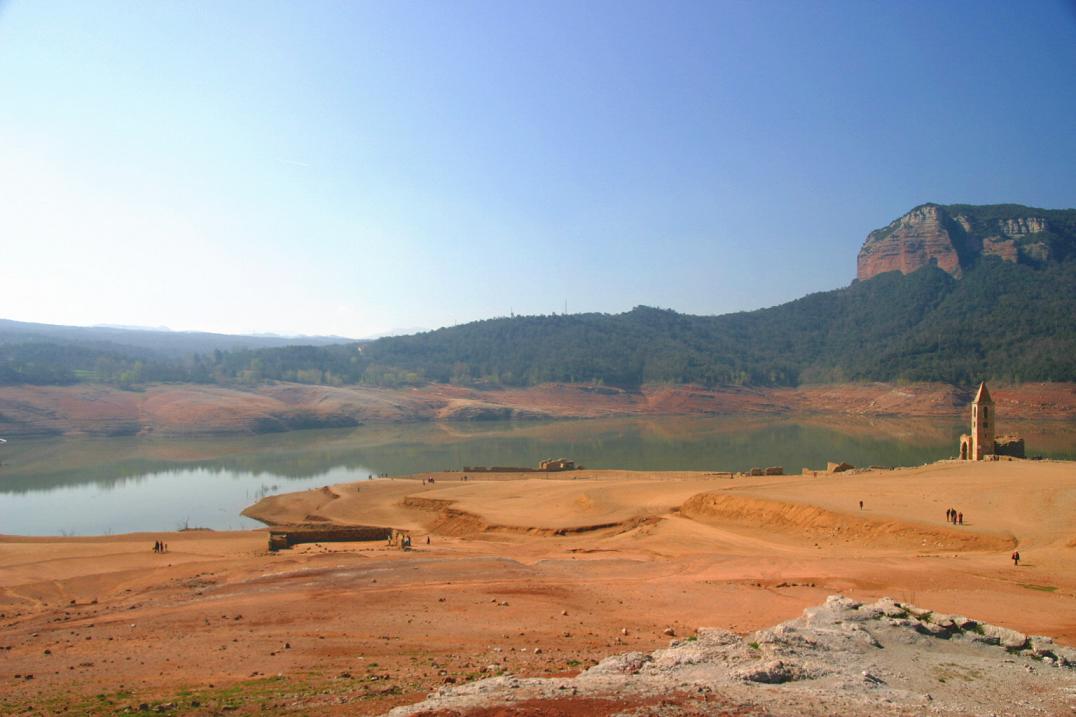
{"x": 1016, "y": 558}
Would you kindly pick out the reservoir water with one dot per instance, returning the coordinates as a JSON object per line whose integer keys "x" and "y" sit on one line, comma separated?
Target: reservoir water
{"x": 92, "y": 486}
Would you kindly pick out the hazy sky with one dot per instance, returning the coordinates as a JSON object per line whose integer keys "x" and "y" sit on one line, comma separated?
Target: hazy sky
{"x": 353, "y": 168}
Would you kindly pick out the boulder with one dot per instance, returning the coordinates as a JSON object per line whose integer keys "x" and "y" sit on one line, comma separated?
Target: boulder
{"x": 627, "y": 664}
{"x": 1009, "y": 639}
{"x": 774, "y": 673}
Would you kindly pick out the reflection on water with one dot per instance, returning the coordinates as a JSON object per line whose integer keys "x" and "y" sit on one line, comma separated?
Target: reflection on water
{"x": 91, "y": 486}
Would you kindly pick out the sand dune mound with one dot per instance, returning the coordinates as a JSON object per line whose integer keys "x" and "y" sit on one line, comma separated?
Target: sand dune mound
{"x": 447, "y": 520}
{"x": 799, "y": 521}
{"x": 840, "y": 658}
{"x": 461, "y": 523}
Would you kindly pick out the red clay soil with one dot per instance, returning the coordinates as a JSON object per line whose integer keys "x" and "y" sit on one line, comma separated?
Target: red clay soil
{"x": 180, "y": 409}
{"x": 103, "y": 625}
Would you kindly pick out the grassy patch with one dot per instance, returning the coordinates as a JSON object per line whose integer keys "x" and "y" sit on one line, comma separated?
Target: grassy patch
{"x": 301, "y": 693}
{"x": 753, "y": 645}
{"x": 1041, "y": 588}
{"x": 953, "y": 671}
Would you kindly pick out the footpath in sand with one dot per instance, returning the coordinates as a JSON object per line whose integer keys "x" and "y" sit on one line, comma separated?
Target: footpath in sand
{"x": 529, "y": 574}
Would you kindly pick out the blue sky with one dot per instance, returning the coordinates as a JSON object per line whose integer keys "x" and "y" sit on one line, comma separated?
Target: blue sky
{"x": 354, "y": 168}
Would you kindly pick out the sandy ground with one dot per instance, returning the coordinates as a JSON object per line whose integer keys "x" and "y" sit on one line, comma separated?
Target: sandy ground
{"x": 187, "y": 409}
{"x": 536, "y": 575}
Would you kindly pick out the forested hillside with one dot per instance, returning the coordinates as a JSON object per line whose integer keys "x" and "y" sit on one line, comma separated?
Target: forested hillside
{"x": 1001, "y": 321}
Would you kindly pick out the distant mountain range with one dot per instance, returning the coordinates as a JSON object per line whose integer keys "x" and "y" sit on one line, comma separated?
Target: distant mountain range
{"x": 954, "y": 293}
{"x": 161, "y": 342}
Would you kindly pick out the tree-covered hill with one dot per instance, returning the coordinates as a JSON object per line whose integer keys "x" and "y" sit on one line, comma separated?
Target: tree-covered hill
{"x": 1001, "y": 321}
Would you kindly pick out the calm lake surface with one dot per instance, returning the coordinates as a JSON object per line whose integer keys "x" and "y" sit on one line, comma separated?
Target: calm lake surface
{"x": 115, "y": 485}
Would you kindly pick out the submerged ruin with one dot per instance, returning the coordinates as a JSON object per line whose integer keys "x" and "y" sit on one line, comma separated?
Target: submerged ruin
{"x": 981, "y": 445}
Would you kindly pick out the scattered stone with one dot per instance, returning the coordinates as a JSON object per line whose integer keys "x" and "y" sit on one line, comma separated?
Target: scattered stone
{"x": 841, "y": 658}
{"x": 871, "y": 679}
{"x": 774, "y": 673}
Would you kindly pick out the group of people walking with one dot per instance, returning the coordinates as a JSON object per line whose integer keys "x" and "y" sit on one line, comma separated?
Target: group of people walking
{"x": 954, "y": 516}
{"x": 403, "y": 540}
{"x": 160, "y": 547}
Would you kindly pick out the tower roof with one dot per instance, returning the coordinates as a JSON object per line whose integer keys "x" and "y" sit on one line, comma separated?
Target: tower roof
{"x": 983, "y": 395}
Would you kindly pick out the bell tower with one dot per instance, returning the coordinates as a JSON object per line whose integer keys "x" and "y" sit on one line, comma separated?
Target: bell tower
{"x": 982, "y": 424}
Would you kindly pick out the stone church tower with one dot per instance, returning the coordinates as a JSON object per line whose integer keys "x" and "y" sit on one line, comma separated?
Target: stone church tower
{"x": 982, "y": 424}
{"x": 981, "y": 441}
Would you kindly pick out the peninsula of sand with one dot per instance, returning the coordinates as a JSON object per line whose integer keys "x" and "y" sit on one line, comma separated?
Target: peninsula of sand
{"x": 517, "y": 576}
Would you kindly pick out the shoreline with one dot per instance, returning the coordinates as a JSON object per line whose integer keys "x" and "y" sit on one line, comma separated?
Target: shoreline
{"x": 210, "y": 410}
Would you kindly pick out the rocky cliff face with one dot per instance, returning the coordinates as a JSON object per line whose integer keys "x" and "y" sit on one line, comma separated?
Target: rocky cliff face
{"x": 955, "y": 236}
